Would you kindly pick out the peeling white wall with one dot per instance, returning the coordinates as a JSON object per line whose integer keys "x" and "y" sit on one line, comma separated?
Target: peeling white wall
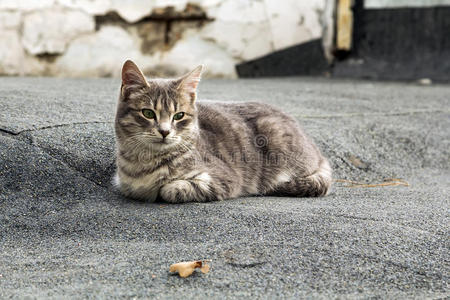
{"x": 62, "y": 37}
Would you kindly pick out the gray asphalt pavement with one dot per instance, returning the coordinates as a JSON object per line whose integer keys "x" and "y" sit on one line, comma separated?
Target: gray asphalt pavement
{"x": 66, "y": 233}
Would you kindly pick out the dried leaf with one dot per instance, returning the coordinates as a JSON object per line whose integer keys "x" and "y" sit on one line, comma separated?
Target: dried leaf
{"x": 387, "y": 182}
{"x": 186, "y": 268}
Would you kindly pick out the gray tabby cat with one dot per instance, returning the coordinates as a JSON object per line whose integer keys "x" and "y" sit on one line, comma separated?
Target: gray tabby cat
{"x": 171, "y": 147}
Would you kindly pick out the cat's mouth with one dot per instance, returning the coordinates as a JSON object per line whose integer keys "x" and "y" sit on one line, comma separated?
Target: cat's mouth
{"x": 166, "y": 141}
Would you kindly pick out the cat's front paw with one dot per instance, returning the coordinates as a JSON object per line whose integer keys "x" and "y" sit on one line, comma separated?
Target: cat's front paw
{"x": 178, "y": 191}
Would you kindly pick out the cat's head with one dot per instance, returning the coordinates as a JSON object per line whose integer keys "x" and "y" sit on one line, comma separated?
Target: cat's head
{"x": 158, "y": 114}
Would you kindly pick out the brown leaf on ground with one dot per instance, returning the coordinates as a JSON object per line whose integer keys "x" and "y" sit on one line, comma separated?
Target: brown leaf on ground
{"x": 387, "y": 182}
{"x": 186, "y": 268}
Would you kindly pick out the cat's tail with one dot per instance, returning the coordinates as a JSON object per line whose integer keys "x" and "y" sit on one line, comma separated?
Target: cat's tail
{"x": 319, "y": 183}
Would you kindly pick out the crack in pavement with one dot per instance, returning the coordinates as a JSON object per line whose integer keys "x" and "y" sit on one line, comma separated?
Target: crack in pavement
{"x": 52, "y": 126}
{"x": 246, "y": 265}
{"x": 402, "y": 266}
{"x": 357, "y": 114}
{"x": 66, "y": 164}
{"x": 2, "y": 130}
{"x": 30, "y": 142}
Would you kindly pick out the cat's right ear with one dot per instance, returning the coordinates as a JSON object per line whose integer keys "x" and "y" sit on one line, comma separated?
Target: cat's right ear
{"x": 131, "y": 75}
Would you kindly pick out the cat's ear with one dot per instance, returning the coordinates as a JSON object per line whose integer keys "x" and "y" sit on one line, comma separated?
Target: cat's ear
{"x": 189, "y": 82}
{"x": 131, "y": 75}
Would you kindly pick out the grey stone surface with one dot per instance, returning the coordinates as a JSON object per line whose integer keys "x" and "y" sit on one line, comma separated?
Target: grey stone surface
{"x": 66, "y": 233}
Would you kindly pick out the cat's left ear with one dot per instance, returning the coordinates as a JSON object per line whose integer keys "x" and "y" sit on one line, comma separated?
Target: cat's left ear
{"x": 189, "y": 82}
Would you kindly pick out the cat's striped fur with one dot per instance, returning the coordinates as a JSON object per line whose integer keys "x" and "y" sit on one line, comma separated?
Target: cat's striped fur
{"x": 215, "y": 151}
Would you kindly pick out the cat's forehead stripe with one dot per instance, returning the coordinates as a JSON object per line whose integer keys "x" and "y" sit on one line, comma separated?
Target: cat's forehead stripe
{"x": 170, "y": 105}
{"x": 165, "y": 103}
{"x": 158, "y": 104}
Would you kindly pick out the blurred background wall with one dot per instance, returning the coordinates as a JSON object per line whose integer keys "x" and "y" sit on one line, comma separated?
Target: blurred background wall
{"x": 166, "y": 37}
{"x": 377, "y": 39}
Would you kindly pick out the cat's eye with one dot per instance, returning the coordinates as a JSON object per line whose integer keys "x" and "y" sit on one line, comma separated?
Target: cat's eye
{"x": 149, "y": 114}
{"x": 178, "y": 116}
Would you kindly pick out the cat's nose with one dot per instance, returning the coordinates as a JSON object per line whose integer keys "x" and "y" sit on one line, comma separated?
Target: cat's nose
{"x": 164, "y": 132}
